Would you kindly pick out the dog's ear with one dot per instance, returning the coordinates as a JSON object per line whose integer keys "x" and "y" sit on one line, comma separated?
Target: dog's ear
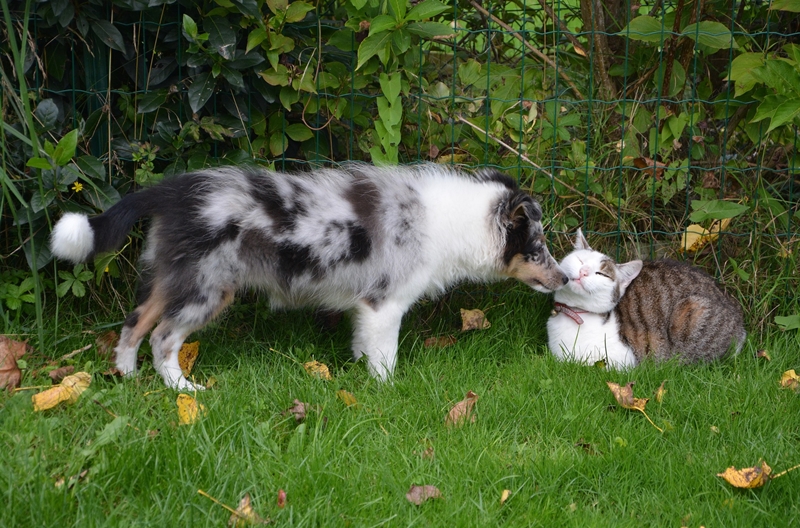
{"x": 521, "y": 209}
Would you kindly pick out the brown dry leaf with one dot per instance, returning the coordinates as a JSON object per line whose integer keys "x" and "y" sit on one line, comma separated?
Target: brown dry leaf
{"x": 10, "y": 352}
{"x": 245, "y": 515}
{"x": 74, "y": 479}
{"x": 105, "y": 344}
{"x": 504, "y": 496}
{"x": 462, "y": 411}
{"x": 650, "y": 167}
{"x": 696, "y": 236}
{"x": 69, "y": 390}
{"x": 187, "y": 355}
{"x": 113, "y": 372}
{"x": 346, "y": 397}
{"x": 298, "y": 409}
{"x": 58, "y": 374}
{"x": 318, "y": 370}
{"x": 624, "y": 396}
{"x": 419, "y": 494}
{"x": 587, "y": 447}
{"x": 660, "y": 392}
{"x": 189, "y": 409}
{"x": 763, "y": 354}
{"x": 790, "y": 380}
{"x": 440, "y": 342}
{"x": 281, "y": 498}
{"x": 473, "y": 320}
{"x": 752, "y": 477}
{"x": 211, "y": 381}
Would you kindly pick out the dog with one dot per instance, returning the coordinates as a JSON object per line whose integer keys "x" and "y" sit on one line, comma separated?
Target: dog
{"x": 360, "y": 238}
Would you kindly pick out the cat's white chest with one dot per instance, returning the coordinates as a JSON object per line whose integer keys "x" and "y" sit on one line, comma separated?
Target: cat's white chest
{"x": 594, "y": 340}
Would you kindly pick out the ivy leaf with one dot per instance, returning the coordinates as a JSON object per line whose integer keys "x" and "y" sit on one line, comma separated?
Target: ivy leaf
{"x": 786, "y": 112}
{"x": 426, "y": 9}
{"x": 299, "y": 132}
{"x": 109, "y": 34}
{"x": 716, "y": 209}
{"x": 277, "y": 6}
{"x": 709, "y": 33}
{"x": 278, "y": 143}
{"x": 201, "y": 90}
{"x": 297, "y": 11}
{"x": 741, "y": 71}
{"x": 430, "y": 29}
{"x": 644, "y": 28}
{"x": 47, "y": 113}
{"x": 276, "y": 77}
{"x": 189, "y": 28}
{"x": 792, "y": 6}
{"x": 371, "y": 46}
{"x": 248, "y": 7}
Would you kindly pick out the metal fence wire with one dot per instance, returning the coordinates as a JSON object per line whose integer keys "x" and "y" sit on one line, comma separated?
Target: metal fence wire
{"x": 662, "y": 128}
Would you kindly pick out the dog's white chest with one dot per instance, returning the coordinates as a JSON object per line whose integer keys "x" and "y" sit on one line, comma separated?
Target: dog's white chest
{"x": 595, "y": 339}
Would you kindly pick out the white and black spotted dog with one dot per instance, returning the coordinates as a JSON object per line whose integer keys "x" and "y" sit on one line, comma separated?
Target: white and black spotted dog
{"x": 363, "y": 239}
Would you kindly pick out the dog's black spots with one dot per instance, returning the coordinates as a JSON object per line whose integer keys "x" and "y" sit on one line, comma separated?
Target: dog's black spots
{"x": 297, "y": 259}
{"x": 520, "y": 215}
{"x": 364, "y": 197}
{"x": 498, "y": 177}
{"x": 284, "y": 213}
{"x": 132, "y": 319}
{"x": 360, "y": 242}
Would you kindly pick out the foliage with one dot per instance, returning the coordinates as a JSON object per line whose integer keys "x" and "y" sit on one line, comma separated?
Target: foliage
{"x": 626, "y": 121}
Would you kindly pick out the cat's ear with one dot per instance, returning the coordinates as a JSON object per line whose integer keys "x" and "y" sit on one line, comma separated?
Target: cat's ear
{"x": 580, "y": 241}
{"x": 627, "y": 272}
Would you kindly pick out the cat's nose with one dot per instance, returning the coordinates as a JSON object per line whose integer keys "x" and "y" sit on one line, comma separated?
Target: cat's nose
{"x": 584, "y": 272}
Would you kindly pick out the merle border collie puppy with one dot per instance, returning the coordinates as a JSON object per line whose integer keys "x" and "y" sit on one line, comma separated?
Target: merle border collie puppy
{"x": 360, "y": 238}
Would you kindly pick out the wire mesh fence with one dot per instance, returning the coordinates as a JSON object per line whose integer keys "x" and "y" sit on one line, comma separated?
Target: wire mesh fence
{"x": 662, "y": 128}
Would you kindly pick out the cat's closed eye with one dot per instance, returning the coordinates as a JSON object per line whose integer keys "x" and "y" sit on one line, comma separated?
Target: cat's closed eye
{"x": 602, "y": 274}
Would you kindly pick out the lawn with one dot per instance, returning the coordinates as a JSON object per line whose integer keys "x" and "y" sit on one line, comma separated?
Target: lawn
{"x": 549, "y": 432}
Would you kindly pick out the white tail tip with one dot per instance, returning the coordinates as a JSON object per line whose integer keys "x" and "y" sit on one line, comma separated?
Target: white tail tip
{"x": 72, "y": 238}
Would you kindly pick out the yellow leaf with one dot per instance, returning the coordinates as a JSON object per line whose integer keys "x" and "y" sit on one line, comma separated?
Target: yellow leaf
{"x": 660, "y": 392}
{"x": 696, "y": 236}
{"x": 752, "y": 477}
{"x": 624, "y": 396}
{"x": 189, "y": 409}
{"x": 504, "y": 496}
{"x": 317, "y": 369}
{"x": 346, "y": 397}
{"x": 763, "y": 354}
{"x": 245, "y": 514}
{"x": 69, "y": 390}
{"x": 187, "y": 356}
{"x": 790, "y": 380}
{"x": 473, "y": 320}
{"x": 462, "y": 411}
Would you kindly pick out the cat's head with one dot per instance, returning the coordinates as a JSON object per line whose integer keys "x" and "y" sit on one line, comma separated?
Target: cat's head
{"x": 596, "y": 282}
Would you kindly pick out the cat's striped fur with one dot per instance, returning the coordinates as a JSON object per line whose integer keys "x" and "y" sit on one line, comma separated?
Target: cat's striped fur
{"x": 629, "y": 312}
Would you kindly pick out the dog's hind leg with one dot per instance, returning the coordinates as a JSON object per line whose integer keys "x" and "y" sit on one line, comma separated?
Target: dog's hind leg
{"x": 170, "y": 334}
{"x": 375, "y": 335}
{"x": 136, "y": 326}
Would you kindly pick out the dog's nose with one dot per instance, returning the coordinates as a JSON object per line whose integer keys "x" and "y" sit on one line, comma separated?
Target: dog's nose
{"x": 564, "y": 279}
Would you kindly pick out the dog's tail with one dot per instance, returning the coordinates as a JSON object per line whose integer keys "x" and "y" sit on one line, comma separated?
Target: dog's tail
{"x": 77, "y": 238}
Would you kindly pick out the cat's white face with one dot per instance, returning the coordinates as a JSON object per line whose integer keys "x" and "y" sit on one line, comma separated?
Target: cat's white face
{"x": 596, "y": 282}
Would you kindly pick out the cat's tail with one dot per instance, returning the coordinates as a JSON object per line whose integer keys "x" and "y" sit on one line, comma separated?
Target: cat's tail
{"x": 78, "y": 238}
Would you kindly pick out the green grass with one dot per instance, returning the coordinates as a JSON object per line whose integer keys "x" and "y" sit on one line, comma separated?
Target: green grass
{"x": 352, "y": 466}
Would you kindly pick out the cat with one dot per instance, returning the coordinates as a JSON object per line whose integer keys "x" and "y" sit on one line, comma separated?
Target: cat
{"x": 624, "y": 313}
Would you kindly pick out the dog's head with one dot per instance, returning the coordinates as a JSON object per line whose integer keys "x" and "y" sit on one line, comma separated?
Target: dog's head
{"x": 525, "y": 255}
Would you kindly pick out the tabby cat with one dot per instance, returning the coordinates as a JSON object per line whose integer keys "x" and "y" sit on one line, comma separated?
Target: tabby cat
{"x": 624, "y": 313}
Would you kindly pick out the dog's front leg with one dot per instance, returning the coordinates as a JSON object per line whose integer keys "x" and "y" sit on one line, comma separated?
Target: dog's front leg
{"x": 375, "y": 335}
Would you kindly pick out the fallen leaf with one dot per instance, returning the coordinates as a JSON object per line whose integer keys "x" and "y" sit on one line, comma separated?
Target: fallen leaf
{"x": 281, "y": 498}
{"x": 650, "y": 167}
{"x": 586, "y": 446}
{"x": 74, "y": 479}
{"x": 210, "y": 382}
{"x": 346, "y": 397}
{"x": 245, "y": 514}
{"x": 58, "y": 374}
{"x": 105, "y": 344}
{"x": 318, "y": 370}
{"x": 69, "y": 390}
{"x": 790, "y": 380}
{"x": 696, "y": 236}
{"x": 189, "y": 409}
{"x": 752, "y": 477}
{"x": 624, "y": 396}
{"x": 419, "y": 494}
{"x": 660, "y": 392}
{"x": 187, "y": 355}
{"x": 10, "y": 352}
{"x": 299, "y": 410}
{"x": 504, "y": 496}
{"x": 714, "y": 429}
{"x": 440, "y": 342}
{"x": 473, "y": 320}
{"x": 600, "y": 363}
{"x": 113, "y": 372}
{"x": 462, "y": 411}
{"x": 763, "y": 354}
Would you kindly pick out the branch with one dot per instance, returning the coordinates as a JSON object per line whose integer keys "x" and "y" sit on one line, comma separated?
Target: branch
{"x": 566, "y": 32}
